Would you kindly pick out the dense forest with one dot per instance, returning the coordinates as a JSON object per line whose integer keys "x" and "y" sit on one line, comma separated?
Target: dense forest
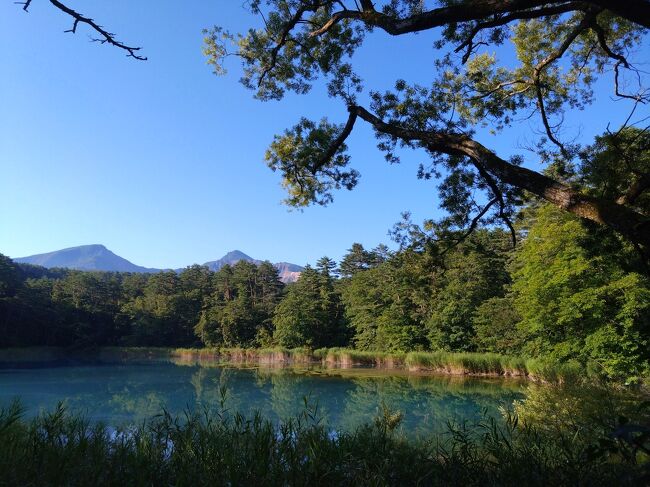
{"x": 570, "y": 290}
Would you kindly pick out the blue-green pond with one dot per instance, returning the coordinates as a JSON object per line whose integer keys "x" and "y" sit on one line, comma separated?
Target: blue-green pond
{"x": 122, "y": 393}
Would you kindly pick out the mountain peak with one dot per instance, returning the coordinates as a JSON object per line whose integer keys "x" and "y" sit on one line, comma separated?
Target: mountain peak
{"x": 96, "y": 257}
{"x": 236, "y": 254}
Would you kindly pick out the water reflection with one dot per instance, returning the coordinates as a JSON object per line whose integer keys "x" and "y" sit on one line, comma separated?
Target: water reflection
{"x": 121, "y": 393}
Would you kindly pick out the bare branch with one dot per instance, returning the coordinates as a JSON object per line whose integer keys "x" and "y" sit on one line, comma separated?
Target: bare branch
{"x": 25, "y": 4}
{"x": 498, "y": 194}
{"x": 106, "y": 37}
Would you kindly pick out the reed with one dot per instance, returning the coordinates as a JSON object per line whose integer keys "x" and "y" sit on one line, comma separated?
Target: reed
{"x": 439, "y": 362}
{"x": 466, "y": 363}
{"x": 219, "y": 448}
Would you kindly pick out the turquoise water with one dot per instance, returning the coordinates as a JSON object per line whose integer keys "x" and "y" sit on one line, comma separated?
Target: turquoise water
{"x": 118, "y": 394}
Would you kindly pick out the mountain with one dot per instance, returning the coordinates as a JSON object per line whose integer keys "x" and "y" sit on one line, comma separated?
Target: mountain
{"x": 99, "y": 258}
{"x": 85, "y": 258}
{"x": 231, "y": 258}
{"x": 288, "y": 272}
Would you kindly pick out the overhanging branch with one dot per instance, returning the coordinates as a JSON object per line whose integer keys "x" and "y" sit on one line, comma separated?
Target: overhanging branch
{"x": 105, "y": 36}
{"x": 627, "y": 221}
{"x": 636, "y": 11}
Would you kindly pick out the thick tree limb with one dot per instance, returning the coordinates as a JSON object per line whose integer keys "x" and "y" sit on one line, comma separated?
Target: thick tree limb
{"x": 337, "y": 143}
{"x": 636, "y": 189}
{"x": 626, "y": 221}
{"x": 636, "y": 11}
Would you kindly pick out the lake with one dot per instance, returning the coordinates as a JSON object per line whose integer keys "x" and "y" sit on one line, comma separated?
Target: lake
{"x": 122, "y": 393}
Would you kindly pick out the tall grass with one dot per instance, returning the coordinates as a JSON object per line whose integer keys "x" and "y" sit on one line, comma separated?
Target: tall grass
{"x": 481, "y": 364}
{"x": 467, "y": 363}
{"x": 221, "y": 448}
{"x": 491, "y": 364}
{"x": 346, "y": 357}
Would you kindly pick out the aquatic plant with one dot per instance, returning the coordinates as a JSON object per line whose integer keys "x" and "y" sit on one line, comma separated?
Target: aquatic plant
{"x": 219, "y": 447}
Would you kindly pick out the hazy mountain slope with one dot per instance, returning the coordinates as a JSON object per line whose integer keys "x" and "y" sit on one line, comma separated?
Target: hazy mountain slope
{"x": 85, "y": 257}
{"x": 99, "y": 258}
{"x": 231, "y": 258}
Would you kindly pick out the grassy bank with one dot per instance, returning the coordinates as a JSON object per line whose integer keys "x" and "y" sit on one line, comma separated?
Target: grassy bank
{"x": 472, "y": 364}
{"x": 220, "y": 448}
{"x": 448, "y": 363}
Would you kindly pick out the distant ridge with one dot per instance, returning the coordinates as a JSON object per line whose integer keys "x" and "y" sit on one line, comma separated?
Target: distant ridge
{"x": 230, "y": 258}
{"x": 86, "y": 258}
{"x": 98, "y": 258}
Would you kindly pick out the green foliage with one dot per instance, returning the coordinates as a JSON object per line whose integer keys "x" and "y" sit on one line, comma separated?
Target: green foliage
{"x": 469, "y": 276}
{"x": 239, "y": 310}
{"x": 299, "y": 151}
{"x": 381, "y": 306}
{"x": 578, "y": 303}
{"x": 311, "y": 313}
{"x": 220, "y": 447}
{"x": 495, "y": 326}
{"x": 617, "y": 166}
{"x": 588, "y": 410}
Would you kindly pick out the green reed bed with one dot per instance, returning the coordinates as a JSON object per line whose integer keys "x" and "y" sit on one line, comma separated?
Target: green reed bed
{"x": 440, "y": 362}
{"x": 491, "y": 364}
{"x": 478, "y": 364}
{"x": 222, "y": 448}
{"x": 466, "y": 363}
{"x": 350, "y": 357}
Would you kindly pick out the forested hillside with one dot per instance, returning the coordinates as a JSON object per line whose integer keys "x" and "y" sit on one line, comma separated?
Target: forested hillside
{"x": 569, "y": 291}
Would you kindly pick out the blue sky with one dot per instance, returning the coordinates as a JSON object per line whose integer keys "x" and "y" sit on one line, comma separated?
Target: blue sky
{"x": 162, "y": 162}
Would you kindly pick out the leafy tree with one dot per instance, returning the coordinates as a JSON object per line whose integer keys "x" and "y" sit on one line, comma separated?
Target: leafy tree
{"x": 162, "y": 314}
{"x": 577, "y": 301}
{"x": 469, "y": 275}
{"x": 239, "y": 311}
{"x": 88, "y": 303}
{"x": 496, "y": 326}
{"x": 384, "y": 305}
{"x": 9, "y": 277}
{"x": 617, "y": 166}
{"x": 559, "y": 49}
{"x": 357, "y": 259}
{"x": 311, "y": 313}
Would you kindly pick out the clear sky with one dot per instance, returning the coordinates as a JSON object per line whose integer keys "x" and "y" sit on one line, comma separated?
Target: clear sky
{"x": 162, "y": 162}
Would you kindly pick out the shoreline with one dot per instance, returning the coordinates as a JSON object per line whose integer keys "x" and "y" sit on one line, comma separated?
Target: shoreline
{"x": 422, "y": 363}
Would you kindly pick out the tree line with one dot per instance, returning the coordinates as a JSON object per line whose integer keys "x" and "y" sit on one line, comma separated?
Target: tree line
{"x": 570, "y": 291}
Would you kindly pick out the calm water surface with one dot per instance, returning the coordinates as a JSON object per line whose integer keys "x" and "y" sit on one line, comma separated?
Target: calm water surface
{"x": 118, "y": 394}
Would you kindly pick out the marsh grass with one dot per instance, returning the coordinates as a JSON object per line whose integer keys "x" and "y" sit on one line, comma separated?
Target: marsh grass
{"x": 225, "y": 448}
{"x": 467, "y": 363}
{"x": 439, "y": 362}
{"x": 490, "y": 364}
{"x": 345, "y": 357}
